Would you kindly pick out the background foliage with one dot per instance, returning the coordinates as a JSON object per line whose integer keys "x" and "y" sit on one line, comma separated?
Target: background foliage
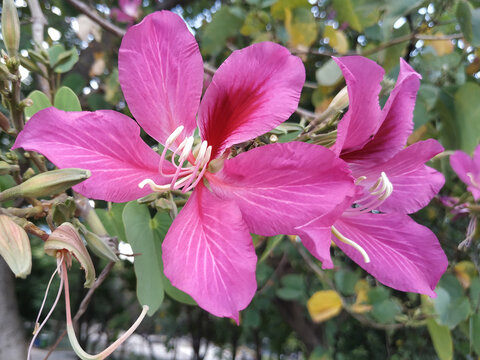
{"x": 299, "y": 309}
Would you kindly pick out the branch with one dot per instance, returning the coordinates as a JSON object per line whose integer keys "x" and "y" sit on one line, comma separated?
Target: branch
{"x": 92, "y": 14}
{"x": 38, "y": 23}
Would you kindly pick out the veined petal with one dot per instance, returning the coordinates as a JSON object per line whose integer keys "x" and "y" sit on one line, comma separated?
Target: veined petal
{"x": 161, "y": 74}
{"x": 414, "y": 184}
{"x": 209, "y": 254}
{"x": 252, "y": 92}
{"x": 467, "y": 169}
{"x": 403, "y": 254}
{"x": 105, "y": 142}
{"x": 281, "y": 186}
{"x": 360, "y": 123}
{"x": 396, "y": 120}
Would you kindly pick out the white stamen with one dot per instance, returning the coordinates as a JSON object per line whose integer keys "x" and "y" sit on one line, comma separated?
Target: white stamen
{"x": 472, "y": 180}
{"x": 378, "y": 193}
{"x": 186, "y": 176}
{"x": 352, "y": 243}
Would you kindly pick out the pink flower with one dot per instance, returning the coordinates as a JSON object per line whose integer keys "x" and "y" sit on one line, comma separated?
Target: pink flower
{"x": 392, "y": 181}
{"x": 468, "y": 170}
{"x": 208, "y": 251}
{"x": 129, "y": 11}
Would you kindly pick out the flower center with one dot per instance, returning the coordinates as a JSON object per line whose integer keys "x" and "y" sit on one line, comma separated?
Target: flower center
{"x": 186, "y": 176}
{"x": 377, "y": 194}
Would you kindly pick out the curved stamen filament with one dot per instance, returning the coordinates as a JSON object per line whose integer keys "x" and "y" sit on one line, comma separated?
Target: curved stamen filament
{"x": 378, "y": 193}
{"x": 352, "y": 243}
{"x": 188, "y": 175}
{"x": 472, "y": 180}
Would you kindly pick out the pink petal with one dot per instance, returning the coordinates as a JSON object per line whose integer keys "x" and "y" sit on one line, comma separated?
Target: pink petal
{"x": 209, "y": 254}
{"x": 404, "y": 255}
{"x": 161, "y": 73}
{"x": 360, "y": 123}
{"x": 467, "y": 168}
{"x": 252, "y": 92}
{"x": 414, "y": 184}
{"x": 281, "y": 186}
{"x": 396, "y": 120}
{"x": 120, "y": 16}
{"x": 105, "y": 142}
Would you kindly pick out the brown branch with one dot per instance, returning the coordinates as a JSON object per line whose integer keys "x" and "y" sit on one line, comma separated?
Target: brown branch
{"x": 92, "y": 14}
{"x": 38, "y": 23}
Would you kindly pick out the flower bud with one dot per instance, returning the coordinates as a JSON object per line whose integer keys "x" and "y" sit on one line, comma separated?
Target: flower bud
{"x": 10, "y": 27}
{"x": 6, "y": 168}
{"x": 340, "y": 101}
{"x": 15, "y": 247}
{"x": 65, "y": 238}
{"x": 99, "y": 247}
{"x": 47, "y": 183}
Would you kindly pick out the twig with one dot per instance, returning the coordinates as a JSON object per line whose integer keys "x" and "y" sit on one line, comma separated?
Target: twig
{"x": 84, "y": 304}
{"x": 38, "y": 23}
{"x": 92, "y": 14}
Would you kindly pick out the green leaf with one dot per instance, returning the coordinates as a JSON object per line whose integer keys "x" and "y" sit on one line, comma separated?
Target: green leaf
{"x": 112, "y": 220}
{"x": 272, "y": 243}
{"x": 441, "y": 339}
{"x": 393, "y": 53}
{"x": 255, "y": 23}
{"x": 289, "y": 293}
{"x": 464, "y": 18}
{"x": 278, "y": 9}
{"x": 40, "y": 102}
{"x": 62, "y": 60}
{"x": 74, "y": 81}
{"x": 386, "y": 311}
{"x": 475, "y": 333}
{"x": 160, "y": 224}
{"x": 347, "y": 14}
{"x": 301, "y": 26}
{"x": 66, "y": 100}
{"x": 467, "y": 113}
{"x": 329, "y": 74}
{"x": 451, "y": 311}
{"x": 225, "y": 23}
{"x": 148, "y": 265}
{"x": 345, "y": 281}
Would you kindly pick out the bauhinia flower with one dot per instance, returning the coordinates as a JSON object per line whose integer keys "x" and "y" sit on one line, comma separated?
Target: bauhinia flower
{"x": 468, "y": 170}
{"x": 128, "y": 12}
{"x": 208, "y": 251}
{"x": 392, "y": 181}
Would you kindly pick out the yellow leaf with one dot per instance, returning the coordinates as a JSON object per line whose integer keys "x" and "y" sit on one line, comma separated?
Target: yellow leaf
{"x": 324, "y": 305}
{"x": 441, "y": 47}
{"x": 464, "y": 271}
{"x": 301, "y": 26}
{"x": 336, "y": 39}
{"x": 361, "y": 289}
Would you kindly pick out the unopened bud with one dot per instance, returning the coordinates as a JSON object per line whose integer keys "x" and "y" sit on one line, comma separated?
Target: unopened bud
{"x": 47, "y": 183}
{"x": 340, "y": 101}
{"x": 10, "y": 27}
{"x": 15, "y": 247}
{"x": 67, "y": 240}
{"x": 99, "y": 246}
{"x": 27, "y": 102}
{"x": 6, "y": 168}
{"x": 28, "y": 174}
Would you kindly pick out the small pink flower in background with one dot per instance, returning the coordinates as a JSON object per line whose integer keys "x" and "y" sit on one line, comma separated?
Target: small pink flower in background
{"x": 468, "y": 170}
{"x": 392, "y": 181}
{"x": 208, "y": 251}
{"x": 128, "y": 12}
